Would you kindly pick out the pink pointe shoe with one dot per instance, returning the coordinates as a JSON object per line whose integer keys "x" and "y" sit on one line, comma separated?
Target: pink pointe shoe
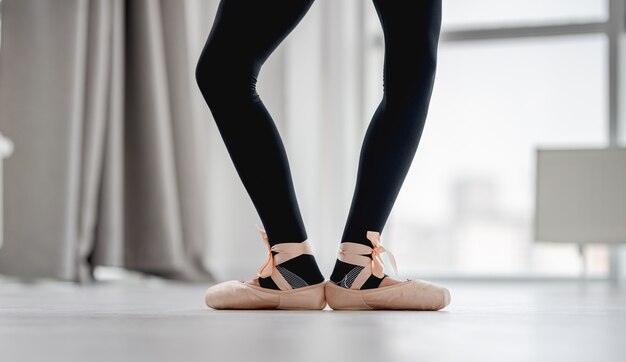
{"x": 407, "y": 295}
{"x": 239, "y": 294}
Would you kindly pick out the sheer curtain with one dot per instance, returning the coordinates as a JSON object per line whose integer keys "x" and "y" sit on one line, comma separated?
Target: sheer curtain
{"x": 110, "y": 149}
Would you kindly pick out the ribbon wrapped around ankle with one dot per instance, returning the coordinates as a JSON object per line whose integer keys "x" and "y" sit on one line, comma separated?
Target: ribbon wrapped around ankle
{"x": 356, "y": 254}
{"x": 285, "y": 251}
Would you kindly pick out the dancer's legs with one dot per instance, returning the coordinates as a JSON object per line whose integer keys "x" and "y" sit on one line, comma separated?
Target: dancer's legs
{"x": 411, "y": 35}
{"x": 243, "y": 35}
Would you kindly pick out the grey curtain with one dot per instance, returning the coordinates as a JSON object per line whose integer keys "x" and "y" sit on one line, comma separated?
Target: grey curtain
{"x": 110, "y": 161}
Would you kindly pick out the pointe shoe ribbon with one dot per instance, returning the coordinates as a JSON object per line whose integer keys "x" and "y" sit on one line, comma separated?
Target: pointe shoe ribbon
{"x": 356, "y": 254}
{"x": 377, "y": 251}
{"x": 284, "y": 252}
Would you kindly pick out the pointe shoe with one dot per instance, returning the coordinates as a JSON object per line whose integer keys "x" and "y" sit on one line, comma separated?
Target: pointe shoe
{"x": 239, "y": 294}
{"x": 411, "y": 294}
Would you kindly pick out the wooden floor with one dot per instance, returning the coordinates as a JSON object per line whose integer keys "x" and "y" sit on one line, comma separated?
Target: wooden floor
{"x": 156, "y": 321}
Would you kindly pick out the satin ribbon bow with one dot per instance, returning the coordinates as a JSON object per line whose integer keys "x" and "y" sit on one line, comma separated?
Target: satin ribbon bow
{"x": 268, "y": 267}
{"x": 377, "y": 251}
{"x": 284, "y": 252}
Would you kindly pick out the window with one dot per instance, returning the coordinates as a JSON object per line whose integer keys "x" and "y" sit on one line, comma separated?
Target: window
{"x": 511, "y": 76}
{"x": 497, "y": 13}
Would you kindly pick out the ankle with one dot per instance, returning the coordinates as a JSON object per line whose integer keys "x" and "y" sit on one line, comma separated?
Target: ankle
{"x": 344, "y": 275}
{"x": 300, "y": 271}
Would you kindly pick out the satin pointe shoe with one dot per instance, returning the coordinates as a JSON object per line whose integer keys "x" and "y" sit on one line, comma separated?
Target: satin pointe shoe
{"x": 411, "y": 294}
{"x": 239, "y": 294}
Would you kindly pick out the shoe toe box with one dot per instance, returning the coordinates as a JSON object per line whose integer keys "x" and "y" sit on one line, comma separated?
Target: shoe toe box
{"x": 410, "y": 295}
{"x": 446, "y": 297}
{"x": 235, "y": 294}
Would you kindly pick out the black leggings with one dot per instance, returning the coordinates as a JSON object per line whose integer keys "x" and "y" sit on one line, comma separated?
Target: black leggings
{"x": 244, "y": 34}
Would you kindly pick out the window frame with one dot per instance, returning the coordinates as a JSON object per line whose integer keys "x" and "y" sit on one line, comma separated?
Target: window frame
{"x": 614, "y": 28}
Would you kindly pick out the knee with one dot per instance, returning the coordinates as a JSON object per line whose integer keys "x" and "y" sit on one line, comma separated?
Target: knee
{"x": 410, "y": 84}
{"x": 208, "y": 76}
{"x": 223, "y": 80}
